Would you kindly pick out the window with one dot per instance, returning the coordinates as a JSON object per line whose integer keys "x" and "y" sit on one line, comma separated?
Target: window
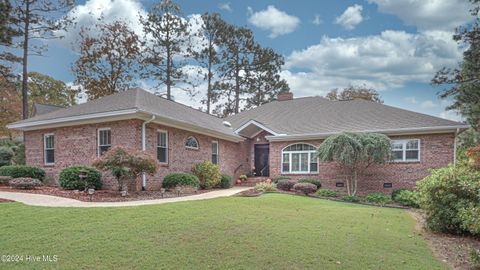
{"x": 191, "y": 143}
{"x": 299, "y": 158}
{"x": 104, "y": 140}
{"x": 162, "y": 146}
{"x": 406, "y": 150}
{"x": 49, "y": 147}
{"x": 215, "y": 152}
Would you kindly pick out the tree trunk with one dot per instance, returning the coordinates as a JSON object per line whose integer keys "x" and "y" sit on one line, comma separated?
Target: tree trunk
{"x": 25, "y": 61}
{"x": 209, "y": 86}
{"x": 237, "y": 87}
{"x": 354, "y": 184}
{"x": 168, "y": 81}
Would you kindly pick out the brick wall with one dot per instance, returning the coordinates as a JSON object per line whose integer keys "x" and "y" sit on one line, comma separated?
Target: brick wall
{"x": 436, "y": 151}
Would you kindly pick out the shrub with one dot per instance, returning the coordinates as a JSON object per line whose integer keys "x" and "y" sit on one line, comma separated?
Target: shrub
{"x": 265, "y": 187}
{"x": 311, "y": 181}
{"x": 6, "y": 155}
{"x": 475, "y": 258}
{"x": 349, "y": 198}
{"x": 407, "y": 198}
{"x": 226, "y": 181}
{"x": 280, "y": 178}
{"x": 18, "y": 171}
{"x": 379, "y": 198}
{"x": 19, "y": 155}
{"x": 126, "y": 165}
{"x": 325, "y": 192}
{"x": 305, "y": 188}
{"x": 446, "y": 195}
{"x": 470, "y": 218}
{"x": 69, "y": 178}
{"x": 180, "y": 179}
{"x": 397, "y": 191}
{"x": 25, "y": 183}
{"x": 208, "y": 174}
{"x": 243, "y": 177}
{"x": 5, "y": 179}
{"x": 286, "y": 185}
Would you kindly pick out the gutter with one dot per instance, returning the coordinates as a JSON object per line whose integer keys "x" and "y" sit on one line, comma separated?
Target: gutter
{"x": 144, "y": 148}
{"x": 400, "y": 131}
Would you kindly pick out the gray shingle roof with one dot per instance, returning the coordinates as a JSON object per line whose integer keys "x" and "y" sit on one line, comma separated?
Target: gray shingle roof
{"x": 313, "y": 115}
{"x": 39, "y": 108}
{"x": 141, "y": 100}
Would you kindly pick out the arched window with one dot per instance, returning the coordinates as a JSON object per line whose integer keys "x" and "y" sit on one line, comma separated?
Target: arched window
{"x": 299, "y": 158}
{"x": 191, "y": 143}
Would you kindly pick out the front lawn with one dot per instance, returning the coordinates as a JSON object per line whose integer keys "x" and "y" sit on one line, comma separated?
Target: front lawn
{"x": 272, "y": 231}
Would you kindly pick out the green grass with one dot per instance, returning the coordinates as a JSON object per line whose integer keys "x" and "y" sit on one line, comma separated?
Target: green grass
{"x": 273, "y": 231}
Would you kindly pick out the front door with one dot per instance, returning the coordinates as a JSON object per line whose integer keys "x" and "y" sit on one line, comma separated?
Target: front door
{"x": 261, "y": 160}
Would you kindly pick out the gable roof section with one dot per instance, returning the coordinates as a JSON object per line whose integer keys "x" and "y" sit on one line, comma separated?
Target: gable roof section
{"x": 39, "y": 108}
{"x": 317, "y": 117}
{"x": 132, "y": 103}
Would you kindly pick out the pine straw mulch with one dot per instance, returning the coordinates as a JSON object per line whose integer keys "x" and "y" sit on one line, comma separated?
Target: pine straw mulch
{"x": 102, "y": 195}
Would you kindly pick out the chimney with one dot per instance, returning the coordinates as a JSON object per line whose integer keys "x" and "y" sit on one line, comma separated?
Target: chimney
{"x": 285, "y": 96}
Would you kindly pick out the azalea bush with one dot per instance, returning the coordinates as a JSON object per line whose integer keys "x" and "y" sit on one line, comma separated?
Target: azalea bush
{"x": 305, "y": 188}
{"x": 286, "y": 185}
{"x": 325, "y": 192}
{"x": 208, "y": 174}
{"x": 69, "y": 178}
{"x": 379, "y": 198}
{"x": 180, "y": 179}
{"x": 126, "y": 165}
{"x": 17, "y": 171}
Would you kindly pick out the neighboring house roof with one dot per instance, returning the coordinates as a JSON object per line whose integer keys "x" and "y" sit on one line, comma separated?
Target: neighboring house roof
{"x": 39, "y": 109}
{"x": 317, "y": 117}
{"x": 133, "y": 103}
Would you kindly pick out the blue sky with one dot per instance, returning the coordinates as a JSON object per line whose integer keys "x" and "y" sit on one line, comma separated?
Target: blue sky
{"x": 394, "y": 46}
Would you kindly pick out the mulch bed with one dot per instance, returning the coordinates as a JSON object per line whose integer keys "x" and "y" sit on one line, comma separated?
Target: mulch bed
{"x": 101, "y": 195}
{"x": 451, "y": 249}
{"x": 4, "y": 200}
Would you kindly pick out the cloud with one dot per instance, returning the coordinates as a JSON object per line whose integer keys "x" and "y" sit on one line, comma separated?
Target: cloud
{"x": 451, "y": 115}
{"x": 428, "y": 104}
{"x": 276, "y": 21}
{"x": 225, "y": 6}
{"x": 412, "y": 100}
{"x": 317, "y": 20}
{"x": 351, "y": 17}
{"x": 428, "y": 14}
{"x": 388, "y": 60}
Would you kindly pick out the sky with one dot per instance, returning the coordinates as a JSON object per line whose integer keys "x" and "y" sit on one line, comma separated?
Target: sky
{"x": 394, "y": 46}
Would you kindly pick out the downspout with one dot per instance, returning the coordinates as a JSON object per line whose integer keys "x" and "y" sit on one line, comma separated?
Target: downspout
{"x": 455, "y": 148}
{"x": 144, "y": 148}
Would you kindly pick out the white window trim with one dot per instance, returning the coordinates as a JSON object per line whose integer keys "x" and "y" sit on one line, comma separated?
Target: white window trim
{"x": 98, "y": 139}
{"x": 45, "y": 149}
{"x": 404, "y": 150}
{"x": 190, "y": 147}
{"x": 218, "y": 160}
{"x": 298, "y": 152}
{"x": 166, "y": 142}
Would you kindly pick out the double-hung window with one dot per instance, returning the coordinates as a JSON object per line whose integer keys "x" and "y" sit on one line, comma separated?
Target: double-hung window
{"x": 49, "y": 148}
{"x": 299, "y": 158}
{"x": 104, "y": 138}
{"x": 162, "y": 146}
{"x": 215, "y": 152}
{"x": 406, "y": 150}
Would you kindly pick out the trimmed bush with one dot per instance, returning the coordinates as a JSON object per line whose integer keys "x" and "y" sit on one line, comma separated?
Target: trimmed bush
{"x": 397, "y": 191}
{"x": 311, "y": 181}
{"x": 407, "y": 198}
{"x": 180, "y": 179}
{"x": 5, "y": 179}
{"x": 305, "y": 188}
{"x": 349, "y": 198}
{"x": 280, "y": 178}
{"x": 449, "y": 197}
{"x": 6, "y": 155}
{"x": 325, "y": 192}
{"x": 265, "y": 187}
{"x": 226, "y": 181}
{"x": 475, "y": 258}
{"x": 25, "y": 183}
{"x": 286, "y": 185}
{"x": 18, "y": 171}
{"x": 379, "y": 198}
{"x": 208, "y": 174}
{"x": 69, "y": 178}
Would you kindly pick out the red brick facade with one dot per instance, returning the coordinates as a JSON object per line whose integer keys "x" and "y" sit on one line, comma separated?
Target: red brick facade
{"x": 77, "y": 145}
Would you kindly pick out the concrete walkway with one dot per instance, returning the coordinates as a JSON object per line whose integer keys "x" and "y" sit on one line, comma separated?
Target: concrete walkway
{"x": 54, "y": 201}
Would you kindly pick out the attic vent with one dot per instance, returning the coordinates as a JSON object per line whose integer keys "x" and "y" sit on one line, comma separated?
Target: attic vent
{"x": 227, "y": 124}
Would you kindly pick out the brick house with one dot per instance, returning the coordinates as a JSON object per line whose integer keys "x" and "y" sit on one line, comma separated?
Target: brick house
{"x": 278, "y": 138}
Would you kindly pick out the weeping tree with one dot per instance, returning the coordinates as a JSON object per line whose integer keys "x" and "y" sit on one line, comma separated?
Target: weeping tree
{"x": 355, "y": 152}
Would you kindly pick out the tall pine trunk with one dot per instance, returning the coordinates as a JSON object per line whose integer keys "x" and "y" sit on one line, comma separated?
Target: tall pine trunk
{"x": 237, "y": 85}
{"x": 209, "y": 86}
{"x": 25, "y": 62}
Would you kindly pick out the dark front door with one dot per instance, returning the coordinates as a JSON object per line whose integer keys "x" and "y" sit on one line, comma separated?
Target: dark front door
{"x": 261, "y": 160}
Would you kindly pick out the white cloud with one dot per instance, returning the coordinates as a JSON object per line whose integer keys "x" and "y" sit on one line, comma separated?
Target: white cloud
{"x": 451, "y": 115}
{"x": 412, "y": 100}
{"x": 225, "y": 6}
{"x": 428, "y": 14}
{"x": 276, "y": 21}
{"x": 428, "y": 104}
{"x": 317, "y": 20}
{"x": 351, "y": 17}
{"x": 388, "y": 60}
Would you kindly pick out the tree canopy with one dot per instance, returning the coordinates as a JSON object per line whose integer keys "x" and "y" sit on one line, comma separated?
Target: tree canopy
{"x": 355, "y": 92}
